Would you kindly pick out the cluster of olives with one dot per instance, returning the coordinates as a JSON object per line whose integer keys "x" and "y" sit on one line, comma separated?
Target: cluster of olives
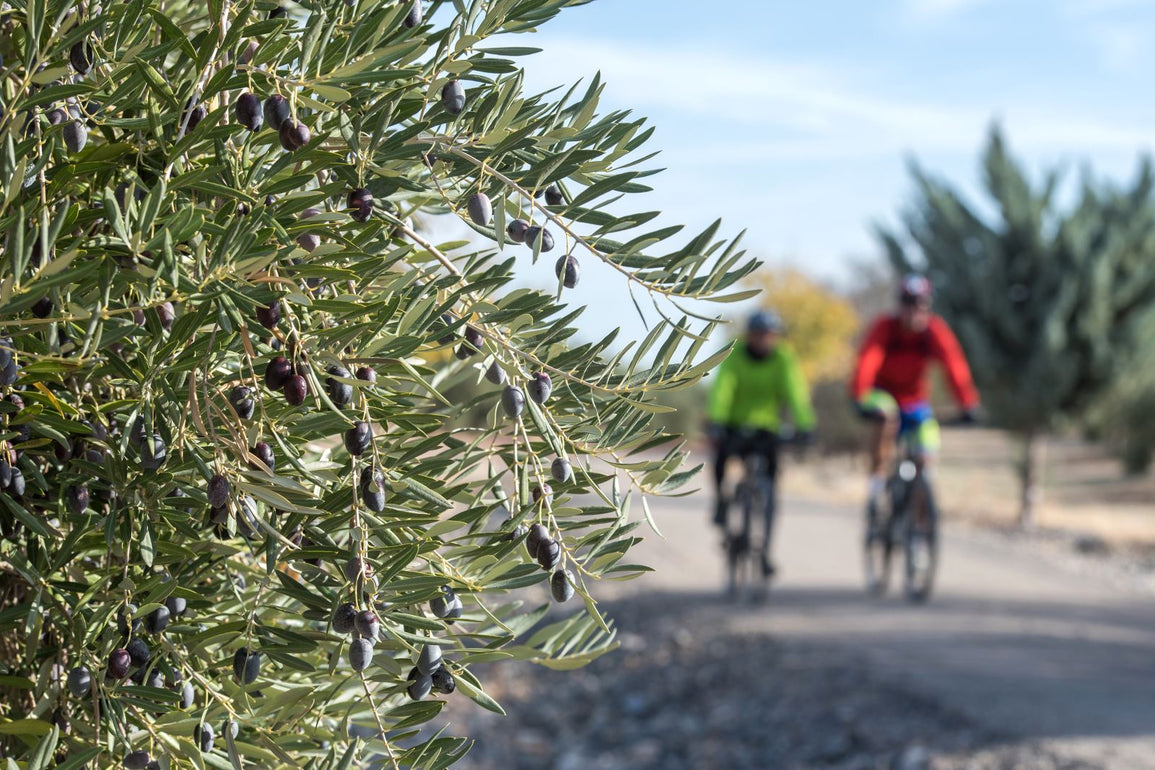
{"x": 546, "y": 551}
{"x": 219, "y": 489}
{"x": 281, "y": 375}
{"x": 471, "y": 343}
{"x": 288, "y": 378}
{"x": 430, "y": 674}
{"x": 205, "y": 737}
{"x": 365, "y": 628}
{"x": 11, "y": 477}
{"x": 480, "y": 210}
{"x": 74, "y": 131}
{"x": 148, "y": 668}
{"x": 249, "y": 111}
{"x": 541, "y": 546}
{"x": 447, "y": 606}
{"x": 275, "y": 112}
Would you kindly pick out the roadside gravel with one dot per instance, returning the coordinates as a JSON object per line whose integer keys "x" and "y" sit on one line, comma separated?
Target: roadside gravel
{"x": 688, "y": 691}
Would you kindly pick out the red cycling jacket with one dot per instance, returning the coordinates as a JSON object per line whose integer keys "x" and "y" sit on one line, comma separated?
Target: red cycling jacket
{"x": 894, "y": 359}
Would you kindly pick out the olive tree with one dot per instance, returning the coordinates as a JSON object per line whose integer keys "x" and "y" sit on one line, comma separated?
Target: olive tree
{"x": 242, "y": 525}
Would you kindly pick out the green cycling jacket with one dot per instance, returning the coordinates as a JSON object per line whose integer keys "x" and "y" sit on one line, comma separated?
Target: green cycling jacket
{"x": 749, "y": 393}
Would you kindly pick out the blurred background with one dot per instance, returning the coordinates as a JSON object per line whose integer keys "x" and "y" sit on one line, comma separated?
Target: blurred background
{"x": 1001, "y": 148}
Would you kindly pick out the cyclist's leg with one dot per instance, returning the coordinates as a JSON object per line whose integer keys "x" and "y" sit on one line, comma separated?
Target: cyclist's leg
{"x": 882, "y": 410}
{"x": 927, "y": 441}
{"x": 767, "y": 446}
{"x": 926, "y": 436}
{"x": 723, "y": 452}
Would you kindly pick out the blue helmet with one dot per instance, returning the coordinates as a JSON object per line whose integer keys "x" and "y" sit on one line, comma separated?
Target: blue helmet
{"x": 764, "y": 321}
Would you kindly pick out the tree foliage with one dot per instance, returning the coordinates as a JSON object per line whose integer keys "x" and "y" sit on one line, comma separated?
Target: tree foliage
{"x": 160, "y": 464}
{"x": 1121, "y": 418}
{"x": 1047, "y": 300}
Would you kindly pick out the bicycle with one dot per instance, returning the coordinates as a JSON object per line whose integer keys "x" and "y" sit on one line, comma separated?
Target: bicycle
{"x": 892, "y": 519}
{"x": 748, "y": 566}
{"x": 906, "y": 512}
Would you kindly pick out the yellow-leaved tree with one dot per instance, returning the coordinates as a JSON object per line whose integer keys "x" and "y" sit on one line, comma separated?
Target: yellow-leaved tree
{"x": 820, "y": 324}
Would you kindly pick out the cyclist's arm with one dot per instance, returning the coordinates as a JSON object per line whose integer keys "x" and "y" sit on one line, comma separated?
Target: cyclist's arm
{"x": 721, "y": 401}
{"x": 797, "y": 393}
{"x": 954, "y": 362}
{"x": 870, "y": 358}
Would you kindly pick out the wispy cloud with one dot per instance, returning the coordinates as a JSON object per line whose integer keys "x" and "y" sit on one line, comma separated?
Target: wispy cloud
{"x": 772, "y": 110}
{"x": 938, "y": 9}
{"x": 735, "y": 89}
{"x": 1120, "y": 31}
{"x": 1086, "y": 8}
{"x": 1120, "y": 45}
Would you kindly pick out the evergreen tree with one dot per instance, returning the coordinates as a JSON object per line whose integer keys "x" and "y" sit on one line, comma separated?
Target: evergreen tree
{"x": 237, "y": 530}
{"x": 1047, "y": 300}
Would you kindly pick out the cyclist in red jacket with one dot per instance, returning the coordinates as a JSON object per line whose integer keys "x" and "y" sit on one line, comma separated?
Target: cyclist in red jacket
{"x": 890, "y": 385}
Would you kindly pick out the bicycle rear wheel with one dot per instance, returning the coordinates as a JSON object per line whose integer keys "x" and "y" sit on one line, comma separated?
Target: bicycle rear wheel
{"x": 921, "y": 541}
{"x": 878, "y": 544}
{"x": 738, "y": 544}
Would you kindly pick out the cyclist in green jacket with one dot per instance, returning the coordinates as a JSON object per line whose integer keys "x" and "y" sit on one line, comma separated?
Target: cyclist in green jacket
{"x": 759, "y": 379}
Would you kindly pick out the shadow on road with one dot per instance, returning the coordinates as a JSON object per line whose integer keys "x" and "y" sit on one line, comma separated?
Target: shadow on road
{"x": 1048, "y": 669}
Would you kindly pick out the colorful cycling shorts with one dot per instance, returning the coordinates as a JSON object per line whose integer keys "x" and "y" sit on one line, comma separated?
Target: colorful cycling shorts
{"x": 916, "y": 422}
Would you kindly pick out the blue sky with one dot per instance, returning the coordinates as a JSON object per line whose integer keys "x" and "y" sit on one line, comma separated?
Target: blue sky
{"x": 793, "y": 119}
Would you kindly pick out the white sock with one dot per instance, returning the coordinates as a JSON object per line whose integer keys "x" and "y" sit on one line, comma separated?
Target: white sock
{"x": 877, "y": 486}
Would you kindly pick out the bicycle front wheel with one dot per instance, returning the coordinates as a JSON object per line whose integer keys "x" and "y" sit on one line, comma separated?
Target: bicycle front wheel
{"x": 878, "y": 545}
{"x": 737, "y": 543}
{"x": 921, "y": 541}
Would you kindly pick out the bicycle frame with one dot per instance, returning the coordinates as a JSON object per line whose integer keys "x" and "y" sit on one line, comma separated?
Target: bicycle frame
{"x": 905, "y": 473}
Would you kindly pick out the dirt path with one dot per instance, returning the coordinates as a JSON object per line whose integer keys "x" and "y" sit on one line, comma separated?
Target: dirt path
{"x": 1018, "y": 662}
{"x": 1010, "y": 639}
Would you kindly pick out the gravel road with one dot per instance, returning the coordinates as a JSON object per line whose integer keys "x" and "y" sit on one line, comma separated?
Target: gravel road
{"x": 1021, "y": 661}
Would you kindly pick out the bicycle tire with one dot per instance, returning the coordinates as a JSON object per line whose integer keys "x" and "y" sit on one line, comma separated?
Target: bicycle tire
{"x": 878, "y": 545}
{"x": 763, "y": 511}
{"x": 920, "y": 577}
{"x": 737, "y": 543}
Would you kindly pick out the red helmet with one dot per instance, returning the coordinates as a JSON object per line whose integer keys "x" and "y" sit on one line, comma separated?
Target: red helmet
{"x": 915, "y": 289}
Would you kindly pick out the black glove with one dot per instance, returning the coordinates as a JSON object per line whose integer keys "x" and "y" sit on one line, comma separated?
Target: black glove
{"x": 865, "y": 412}
{"x": 801, "y": 443}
